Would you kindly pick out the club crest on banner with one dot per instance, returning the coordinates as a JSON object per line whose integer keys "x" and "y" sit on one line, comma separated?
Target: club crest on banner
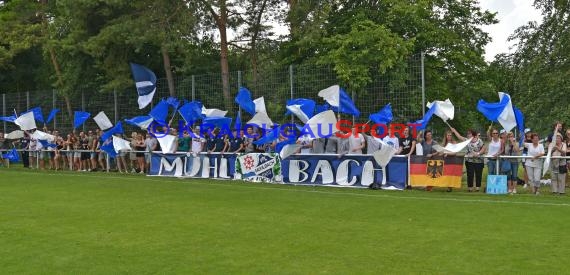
{"x": 259, "y": 167}
{"x": 434, "y": 168}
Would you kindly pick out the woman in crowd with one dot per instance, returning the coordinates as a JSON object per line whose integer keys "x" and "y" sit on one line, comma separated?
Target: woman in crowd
{"x": 534, "y": 165}
{"x": 558, "y": 167}
{"x": 567, "y": 140}
{"x": 184, "y": 142}
{"x": 473, "y": 161}
{"x": 407, "y": 144}
{"x": 512, "y": 149}
{"x": 140, "y": 148}
{"x": 495, "y": 149}
{"x": 527, "y": 139}
{"x": 132, "y": 154}
{"x": 429, "y": 151}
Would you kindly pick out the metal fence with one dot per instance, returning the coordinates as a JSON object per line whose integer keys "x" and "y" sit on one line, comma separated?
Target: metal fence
{"x": 406, "y": 94}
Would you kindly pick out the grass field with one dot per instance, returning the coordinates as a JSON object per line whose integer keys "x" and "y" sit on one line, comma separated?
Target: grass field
{"x": 95, "y": 223}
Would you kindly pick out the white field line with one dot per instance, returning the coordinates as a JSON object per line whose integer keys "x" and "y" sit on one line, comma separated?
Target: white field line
{"x": 385, "y": 195}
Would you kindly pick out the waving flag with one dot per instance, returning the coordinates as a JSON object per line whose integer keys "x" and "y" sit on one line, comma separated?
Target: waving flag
{"x": 16, "y": 134}
{"x": 160, "y": 111}
{"x": 26, "y": 121}
{"x": 260, "y": 105}
{"x": 427, "y": 117}
{"x": 501, "y": 111}
{"x": 173, "y": 101}
{"x": 519, "y": 117}
{"x": 191, "y": 111}
{"x": 102, "y": 121}
{"x": 383, "y": 116}
{"x": 221, "y": 122}
{"x": 237, "y": 125}
{"x": 140, "y": 121}
{"x": 37, "y": 111}
{"x": 455, "y": 148}
{"x": 108, "y": 148}
{"x": 445, "y": 109}
{"x": 12, "y": 155}
{"x": 8, "y": 118}
{"x": 47, "y": 144}
{"x": 287, "y": 147}
{"x": 39, "y": 135}
{"x": 321, "y": 123}
{"x": 79, "y": 118}
{"x": 269, "y": 136}
{"x": 339, "y": 100}
{"x": 260, "y": 119}
{"x": 167, "y": 144}
{"x": 118, "y": 129}
{"x": 145, "y": 81}
{"x": 243, "y": 99}
{"x": 52, "y": 115}
{"x": 213, "y": 112}
{"x": 120, "y": 144}
{"x": 302, "y": 108}
{"x": 322, "y": 108}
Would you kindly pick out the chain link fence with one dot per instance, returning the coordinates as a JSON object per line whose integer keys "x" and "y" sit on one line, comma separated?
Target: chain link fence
{"x": 406, "y": 94}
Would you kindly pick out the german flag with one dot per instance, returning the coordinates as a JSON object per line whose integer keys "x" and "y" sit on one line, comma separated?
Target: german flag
{"x": 436, "y": 171}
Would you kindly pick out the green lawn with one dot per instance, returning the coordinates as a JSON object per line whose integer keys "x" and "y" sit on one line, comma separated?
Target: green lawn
{"x": 95, "y": 223}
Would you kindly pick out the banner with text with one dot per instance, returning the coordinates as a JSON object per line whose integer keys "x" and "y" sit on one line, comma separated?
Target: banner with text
{"x": 259, "y": 167}
{"x": 221, "y": 166}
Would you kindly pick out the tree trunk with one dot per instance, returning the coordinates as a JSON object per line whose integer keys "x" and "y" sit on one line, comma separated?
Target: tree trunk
{"x": 222, "y": 25}
{"x": 169, "y": 77}
{"x": 253, "y": 47}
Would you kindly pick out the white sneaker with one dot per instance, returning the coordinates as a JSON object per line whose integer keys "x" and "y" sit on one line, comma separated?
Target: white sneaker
{"x": 525, "y": 186}
{"x": 514, "y": 191}
{"x": 537, "y": 193}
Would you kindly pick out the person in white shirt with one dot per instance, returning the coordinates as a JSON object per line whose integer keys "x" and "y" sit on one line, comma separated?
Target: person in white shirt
{"x": 197, "y": 142}
{"x": 392, "y": 140}
{"x": 306, "y": 143}
{"x": 495, "y": 148}
{"x": 534, "y": 165}
{"x": 356, "y": 142}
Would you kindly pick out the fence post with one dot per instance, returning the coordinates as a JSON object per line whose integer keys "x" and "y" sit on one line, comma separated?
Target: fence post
{"x": 193, "y": 88}
{"x": 4, "y": 109}
{"x": 423, "y": 85}
{"x": 54, "y": 104}
{"x": 291, "y": 87}
{"x": 116, "y": 106}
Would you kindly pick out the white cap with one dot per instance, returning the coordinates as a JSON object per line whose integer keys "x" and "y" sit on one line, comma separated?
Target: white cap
{"x": 502, "y": 131}
{"x": 526, "y": 130}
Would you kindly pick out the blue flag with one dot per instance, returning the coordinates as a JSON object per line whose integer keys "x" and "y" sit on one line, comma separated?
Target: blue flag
{"x": 346, "y": 105}
{"x": 221, "y": 122}
{"x": 303, "y": 108}
{"x": 243, "y": 99}
{"x": 520, "y": 123}
{"x": 108, "y": 148}
{"x": 12, "y": 155}
{"x": 191, "y": 111}
{"x": 117, "y": 129}
{"x": 501, "y": 111}
{"x": 46, "y": 144}
{"x": 427, "y": 117}
{"x": 140, "y": 121}
{"x": 172, "y": 101}
{"x": 237, "y": 125}
{"x": 384, "y": 116}
{"x": 8, "y": 118}
{"x": 52, "y": 115}
{"x": 79, "y": 118}
{"x": 279, "y": 146}
{"x": 269, "y": 136}
{"x": 321, "y": 108}
{"x": 145, "y": 81}
{"x": 160, "y": 111}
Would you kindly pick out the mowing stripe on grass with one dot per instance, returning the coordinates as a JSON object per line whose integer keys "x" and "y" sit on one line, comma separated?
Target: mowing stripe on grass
{"x": 274, "y": 187}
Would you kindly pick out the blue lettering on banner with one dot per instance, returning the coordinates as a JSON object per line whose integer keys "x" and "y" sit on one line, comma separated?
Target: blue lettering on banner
{"x": 496, "y": 184}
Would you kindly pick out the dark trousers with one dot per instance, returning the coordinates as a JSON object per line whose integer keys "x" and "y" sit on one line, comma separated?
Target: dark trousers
{"x": 474, "y": 170}
{"x": 25, "y": 158}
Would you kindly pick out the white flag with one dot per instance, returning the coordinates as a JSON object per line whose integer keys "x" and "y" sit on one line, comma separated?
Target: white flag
{"x": 167, "y": 144}
{"x": 507, "y": 118}
{"x": 296, "y": 110}
{"x": 26, "y": 121}
{"x": 39, "y": 135}
{"x": 103, "y": 121}
{"x": 260, "y": 119}
{"x": 454, "y": 148}
{"x": 213, "y": 112}
{"x": 331, "y": 95}
{"x": 260, "y": 105}
{"x": 546, "y": 164}
{"x": 288, "y": 150}
{"x": 17, "y": 134}
{"x": 321, "y": 123}
{"x": 444, "y": 109}
{"x": 121, "y": 144}
{"x": 383, "y": 157}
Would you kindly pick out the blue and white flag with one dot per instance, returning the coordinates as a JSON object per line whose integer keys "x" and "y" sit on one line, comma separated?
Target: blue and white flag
{"x": 145, "y": 81}
{"x": 160, "y": 111}
{"x": 501, "y": 111}
{"x": 427, "y": 117}
{"x": 221, "y": 122}
{"x": 108, "y": 148}
{"x": 118, "y": 129}
{"x": 269, "y": 136}
{"x": 37, "y": 111}
{"x": 12, "y": 155}
{"x": 47, "y": 144}
{"x": 79, "y": 118}
{"x": 302, "y": 108}
{"x": 26, "y": 121}
{"x": 103, "y": 121}
{"x": 140, "y": 121}
{"x": 51, "y": 115}
{"x": 339, "y": 100}
{"x": 213, "y": 112}
{"x": 191, "y": 111}
{"x": 8, "y": 118}
{"x": 520, "y": 123}
{"x": 383, "y": 116}
{"x": 243, "y": 99}
{"x": 445, "y": 109}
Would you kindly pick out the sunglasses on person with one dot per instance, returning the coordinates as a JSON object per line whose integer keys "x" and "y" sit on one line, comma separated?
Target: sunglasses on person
{"x": 495, "y": 133}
